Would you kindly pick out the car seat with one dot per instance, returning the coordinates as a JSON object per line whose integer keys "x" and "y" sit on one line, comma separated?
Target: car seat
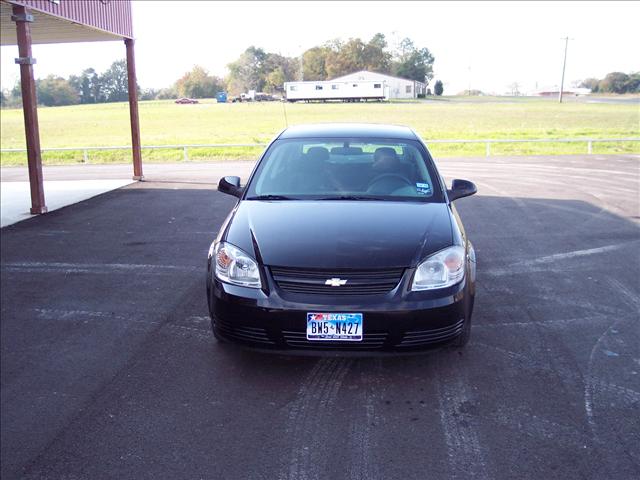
{"x": 311, "y": 171}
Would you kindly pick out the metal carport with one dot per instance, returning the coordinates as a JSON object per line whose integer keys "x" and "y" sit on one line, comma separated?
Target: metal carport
{"x": 63, "y": 21}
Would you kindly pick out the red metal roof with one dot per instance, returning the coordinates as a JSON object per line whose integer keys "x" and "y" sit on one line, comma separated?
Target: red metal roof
{"x": 93, "y": 20}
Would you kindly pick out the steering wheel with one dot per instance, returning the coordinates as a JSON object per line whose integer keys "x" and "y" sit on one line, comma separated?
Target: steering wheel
{"x": 395, "y": 177}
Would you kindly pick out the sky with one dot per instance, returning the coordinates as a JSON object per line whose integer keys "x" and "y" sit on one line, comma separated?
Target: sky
{"x": 482, "y": 45}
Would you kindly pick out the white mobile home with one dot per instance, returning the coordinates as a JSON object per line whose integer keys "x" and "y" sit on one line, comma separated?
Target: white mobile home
{"x": 346, "y": 91}
{"x": 398, "y": 87}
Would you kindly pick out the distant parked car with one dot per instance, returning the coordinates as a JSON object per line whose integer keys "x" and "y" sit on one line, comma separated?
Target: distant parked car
{"x": 186, "y": 100}
{"x": 243, "y": 97}
{"x": 264, "y": 97}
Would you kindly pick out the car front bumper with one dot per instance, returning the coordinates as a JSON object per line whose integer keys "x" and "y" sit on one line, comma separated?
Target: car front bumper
{"x": 400, "y": 321}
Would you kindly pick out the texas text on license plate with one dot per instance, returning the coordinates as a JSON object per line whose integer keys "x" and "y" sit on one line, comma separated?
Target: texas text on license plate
{"x": 334, "y": 326}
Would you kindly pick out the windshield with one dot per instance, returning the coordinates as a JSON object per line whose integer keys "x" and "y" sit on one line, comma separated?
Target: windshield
{"x": 355, "y": 169}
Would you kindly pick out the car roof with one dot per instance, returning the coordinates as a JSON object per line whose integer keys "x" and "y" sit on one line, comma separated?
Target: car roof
{"x": 348, "y": 130}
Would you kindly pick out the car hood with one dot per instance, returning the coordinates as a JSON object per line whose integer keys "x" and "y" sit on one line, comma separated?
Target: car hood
{"x": 339, "y": 234}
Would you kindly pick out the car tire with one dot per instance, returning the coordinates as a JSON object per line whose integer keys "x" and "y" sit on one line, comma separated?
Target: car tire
{"x": 218, "y": 338}
{"x": 462, "y": 339}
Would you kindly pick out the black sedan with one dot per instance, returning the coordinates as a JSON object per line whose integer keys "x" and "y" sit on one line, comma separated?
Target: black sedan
{"x": 344, "y": 238}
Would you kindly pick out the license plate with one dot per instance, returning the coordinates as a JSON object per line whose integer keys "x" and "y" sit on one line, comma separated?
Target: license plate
{"x": 334, "y": 326}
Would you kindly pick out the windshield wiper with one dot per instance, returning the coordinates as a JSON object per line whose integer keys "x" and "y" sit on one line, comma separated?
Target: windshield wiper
{"x": 352, "y": 197}
{"x": 335, "y": 197}
{"x": 271, "y": 197}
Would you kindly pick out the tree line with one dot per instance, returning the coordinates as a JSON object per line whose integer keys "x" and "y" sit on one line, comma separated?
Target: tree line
{"x": 614, "y": 82}
{"x": 264, "y": 71}
{"x": 86, "y": 87}
{"x": 255, "y": 69}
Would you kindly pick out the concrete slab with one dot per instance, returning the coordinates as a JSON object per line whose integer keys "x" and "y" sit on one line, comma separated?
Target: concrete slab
{"x": 15, "y": 200}
{"x": 173, "y": 172}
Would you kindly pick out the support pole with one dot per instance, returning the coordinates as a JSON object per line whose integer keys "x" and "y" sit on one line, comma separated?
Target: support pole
{"x": 133, "y": 111}
{"x": 564, "y": 65}
{"x": 23, "y": 18}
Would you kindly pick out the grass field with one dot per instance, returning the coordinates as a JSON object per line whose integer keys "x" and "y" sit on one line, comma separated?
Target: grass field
{"x": 165, "y": 123}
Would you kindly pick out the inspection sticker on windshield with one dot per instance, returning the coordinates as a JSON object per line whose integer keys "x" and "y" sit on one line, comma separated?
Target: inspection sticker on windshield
{"x": 423, "y": 188}
{"x": 334, "y": 326}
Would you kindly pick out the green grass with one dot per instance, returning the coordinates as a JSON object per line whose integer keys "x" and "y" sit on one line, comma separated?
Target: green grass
{"x": 164, "y": 123}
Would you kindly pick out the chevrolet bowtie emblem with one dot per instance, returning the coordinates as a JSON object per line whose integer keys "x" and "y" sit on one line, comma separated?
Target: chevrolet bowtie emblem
{"x": 335, "y": 282}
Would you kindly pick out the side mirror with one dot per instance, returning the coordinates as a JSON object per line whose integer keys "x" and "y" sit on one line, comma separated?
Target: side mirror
{"x": 461, "y": 188}
{"x": 230, "y": 186}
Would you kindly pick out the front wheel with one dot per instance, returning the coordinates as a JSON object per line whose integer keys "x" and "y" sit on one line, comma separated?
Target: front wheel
{"x": 216, "y": 335}
{"x": 462, "y": 339}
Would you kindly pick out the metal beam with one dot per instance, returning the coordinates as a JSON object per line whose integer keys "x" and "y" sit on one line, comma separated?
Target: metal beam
{"x": 133, "y": 110}
{"x": 22, "y": 18}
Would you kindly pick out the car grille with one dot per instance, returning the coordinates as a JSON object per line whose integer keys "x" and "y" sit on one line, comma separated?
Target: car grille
{"x": 370, "y": 341}
{"x": 417, "y": 338}
{"x": 359, "y": 282}
{"x": 243, "y": 333}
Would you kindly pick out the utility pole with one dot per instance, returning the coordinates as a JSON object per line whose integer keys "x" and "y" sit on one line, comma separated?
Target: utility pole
{"x": 564, "y": 64}
{"x": 301, "y": 63}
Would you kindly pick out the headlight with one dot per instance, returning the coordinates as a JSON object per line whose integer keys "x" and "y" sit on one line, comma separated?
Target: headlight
{"x": 440, "y": 270}
{"x": 232, "y": 265}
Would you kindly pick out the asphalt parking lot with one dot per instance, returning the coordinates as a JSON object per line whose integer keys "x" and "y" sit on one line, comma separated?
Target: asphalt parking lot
{"x": 109, "y": 368}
